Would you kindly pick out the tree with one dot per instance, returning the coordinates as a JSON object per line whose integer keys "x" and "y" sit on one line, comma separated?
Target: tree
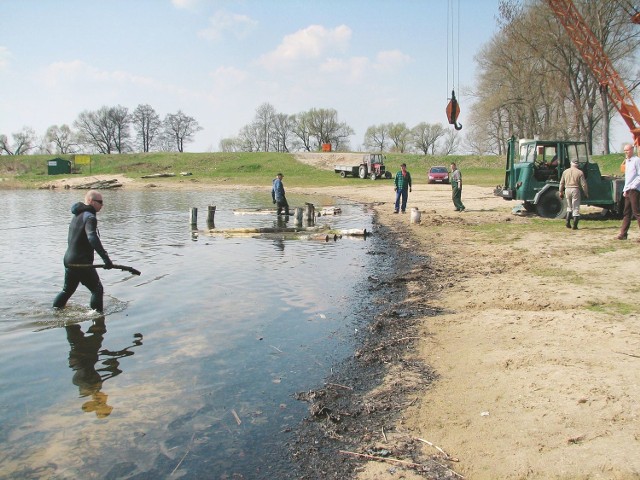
{"x": 532, "y": 81}
{"x": 426, "y": 135}
{"x": 283, "y": 125}
{"x": 180, "y": 128}
{"x": 60, "y": 139}
{"x": 325, "y": 127}
{"x": 147, "y": 125}
{"x": 302, "y": 129}
{"x": 105, "y": 130}
{"x": 23, "y": 141}
{"x": 400, "y": 135}
{"x": 263, "y": 123}
{"x": 451, "y": 142}
{"x": 376, "y": 137}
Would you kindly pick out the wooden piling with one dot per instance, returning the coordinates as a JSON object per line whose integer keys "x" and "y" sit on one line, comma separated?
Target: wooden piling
{"x": 211, "y": 213}
{"x": 194, "y": 216}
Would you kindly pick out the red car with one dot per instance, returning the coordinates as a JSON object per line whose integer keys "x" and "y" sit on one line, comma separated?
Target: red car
{"x": 438, "y": 175}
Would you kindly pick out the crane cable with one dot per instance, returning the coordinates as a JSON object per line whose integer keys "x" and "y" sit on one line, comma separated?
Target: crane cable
{"x": 453, "y": 29}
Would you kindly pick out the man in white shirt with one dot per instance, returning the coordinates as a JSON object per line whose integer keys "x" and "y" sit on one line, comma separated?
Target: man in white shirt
{"x": 631, "y": 191}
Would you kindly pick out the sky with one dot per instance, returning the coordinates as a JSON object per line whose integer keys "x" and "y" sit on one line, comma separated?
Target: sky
{"x": 374, "y": 61}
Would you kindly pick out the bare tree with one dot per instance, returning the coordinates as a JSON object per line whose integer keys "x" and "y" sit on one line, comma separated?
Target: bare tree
{"x": 60, "y": 139}
{"x": 376, "y": 137}
{"x": 263, "y": 121}
{"x": 325, "y": 127}
{"x": 180, "y": 128}
{"x": 147, "y": 125}
{"x": 400, "y": 135}
{"x": 302, "y": 129}
{"x": 23, "y": 141}
{"x": 426, "y": 135}
{"x": 105, "y": 130}
{"x": 451, "y": 142}
{"x": 282, "y": 126}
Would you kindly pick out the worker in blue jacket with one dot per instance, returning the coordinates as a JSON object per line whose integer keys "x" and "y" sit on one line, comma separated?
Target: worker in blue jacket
{"x": 277, "y": 194}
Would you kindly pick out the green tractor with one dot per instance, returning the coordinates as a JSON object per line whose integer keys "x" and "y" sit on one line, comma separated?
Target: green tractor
{"x": 534, "y": 169}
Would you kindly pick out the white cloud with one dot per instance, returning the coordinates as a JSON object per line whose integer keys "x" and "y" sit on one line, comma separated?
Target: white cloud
{"x": 186, "y": 4}
{"x": 222, "y": 22}
{"x": 5, "y": 55}
{"x": 390, "y": 60}
{"x": 228, "y": 76}
{"x": 353, "y": 69}
{"x": 61, "y": 73}
{"x": 310, "y": 43}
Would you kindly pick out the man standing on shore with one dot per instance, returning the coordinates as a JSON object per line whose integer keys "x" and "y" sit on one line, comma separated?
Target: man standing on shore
{"x": 277, "y": 194}
{"x": 456, "y": 188}
{"x": 572, "y": 184}
{"x": 631, "y": 191}
{"x": 402, "y": 187}
{"x": 83, "y": 240}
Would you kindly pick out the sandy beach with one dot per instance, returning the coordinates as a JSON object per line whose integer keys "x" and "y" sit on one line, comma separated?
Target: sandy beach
{"x": 536, "y": 349}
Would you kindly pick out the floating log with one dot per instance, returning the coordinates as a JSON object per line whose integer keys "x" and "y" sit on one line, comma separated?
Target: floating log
{"x": 357, "y": 232}
{"x": 270, "y": 230}
{"x": 329, "y": 211}
{"x": 158, "y": 175}
{"x": 258, "y": 211}
{"x": 98, "y": 185}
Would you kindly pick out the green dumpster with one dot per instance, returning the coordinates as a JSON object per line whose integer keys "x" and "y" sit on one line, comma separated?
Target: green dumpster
{"x": 58, "y": 166}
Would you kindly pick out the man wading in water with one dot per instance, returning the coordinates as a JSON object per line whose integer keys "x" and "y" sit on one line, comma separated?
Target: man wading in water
{"x": 83, "y": 239}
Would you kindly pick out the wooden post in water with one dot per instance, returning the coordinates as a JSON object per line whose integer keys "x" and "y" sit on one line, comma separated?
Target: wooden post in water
{"x": 309, "y": 213}
{"x": 194, "y": 216}
{"x": 211, "y": 213}
{"x": 298, "y": 216}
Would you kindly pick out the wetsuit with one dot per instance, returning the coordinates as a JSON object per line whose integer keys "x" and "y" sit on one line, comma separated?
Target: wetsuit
{"x": 83, "y": 240}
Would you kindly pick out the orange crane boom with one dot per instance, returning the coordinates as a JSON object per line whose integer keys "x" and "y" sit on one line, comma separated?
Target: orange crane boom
{"x": 599, "y": 63}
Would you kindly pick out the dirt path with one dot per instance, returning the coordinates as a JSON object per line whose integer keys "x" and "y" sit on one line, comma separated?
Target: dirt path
{"x": 537, "y": 351}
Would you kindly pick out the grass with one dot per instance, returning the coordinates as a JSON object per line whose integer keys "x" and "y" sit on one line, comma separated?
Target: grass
{"x": 612, "y": 308}
{"x": 258, "y": 168}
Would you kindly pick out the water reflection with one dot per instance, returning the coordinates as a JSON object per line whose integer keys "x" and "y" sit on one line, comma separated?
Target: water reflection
{"x": 84, "y": 356}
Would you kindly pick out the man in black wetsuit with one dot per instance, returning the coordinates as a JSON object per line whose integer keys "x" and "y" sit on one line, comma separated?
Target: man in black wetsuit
{"x": 82, "y": 241}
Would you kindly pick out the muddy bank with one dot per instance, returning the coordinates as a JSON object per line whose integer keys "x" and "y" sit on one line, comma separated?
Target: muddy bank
{"x": 353, "y": 416}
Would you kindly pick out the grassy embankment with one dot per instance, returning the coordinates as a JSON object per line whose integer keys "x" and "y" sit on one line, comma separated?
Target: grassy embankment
{"x": 29, "y": 171}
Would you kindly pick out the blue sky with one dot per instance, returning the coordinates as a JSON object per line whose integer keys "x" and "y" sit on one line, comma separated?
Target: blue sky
{"x": 374, "y": 61}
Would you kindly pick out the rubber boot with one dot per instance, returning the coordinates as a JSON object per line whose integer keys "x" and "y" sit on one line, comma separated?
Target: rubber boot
{"x": 568, "y": 224}
{"x": 575, "y": 223}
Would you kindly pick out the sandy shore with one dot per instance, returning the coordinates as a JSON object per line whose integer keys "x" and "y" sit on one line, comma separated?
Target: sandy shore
{"x": 537, "y": 349}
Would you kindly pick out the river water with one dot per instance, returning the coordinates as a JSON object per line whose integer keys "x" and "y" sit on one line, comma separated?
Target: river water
{"x": 191, "y": 371}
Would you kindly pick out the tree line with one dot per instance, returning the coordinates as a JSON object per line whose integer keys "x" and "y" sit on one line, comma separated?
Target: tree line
{"x": 308, "y": 131}
{"x": 108, "y": 130}
{"x": 533, "y": 81}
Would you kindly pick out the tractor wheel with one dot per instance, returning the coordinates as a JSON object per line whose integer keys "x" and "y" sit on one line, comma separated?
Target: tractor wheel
{"x": 343, "y": 174}
{"x": 387, "y": 175}
{"x": 363, "y": 172}
{"x": 529, "y": 207}
{"x": 551, "y": 205}
{"x": 373, "y": 176}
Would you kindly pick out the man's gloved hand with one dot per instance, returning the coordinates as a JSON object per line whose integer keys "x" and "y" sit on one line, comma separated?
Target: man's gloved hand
{"x": 395, "y": 189}
{"x": 409, "y": 188}
{"x": 274, "y": 202}
{"x": 108, "y": 264}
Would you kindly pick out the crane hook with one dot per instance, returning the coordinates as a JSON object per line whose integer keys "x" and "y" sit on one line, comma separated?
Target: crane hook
{"x": 453, "y": 110}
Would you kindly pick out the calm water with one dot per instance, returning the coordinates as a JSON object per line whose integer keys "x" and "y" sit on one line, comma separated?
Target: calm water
{"x": 191, "y": 371}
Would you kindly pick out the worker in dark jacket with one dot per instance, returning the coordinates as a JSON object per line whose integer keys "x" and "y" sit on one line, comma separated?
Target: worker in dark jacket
{"x": 83, "y": 240}
{"x": 277, "y": 194}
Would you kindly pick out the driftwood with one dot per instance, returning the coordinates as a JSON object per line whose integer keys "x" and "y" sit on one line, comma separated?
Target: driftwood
{"x": 158, "y": 175}
{"x": 259, "y": 211}
{"x": 98, "y": 185}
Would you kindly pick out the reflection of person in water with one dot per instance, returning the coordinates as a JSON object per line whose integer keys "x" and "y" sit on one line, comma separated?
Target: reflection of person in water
{"x": 85, "y": 353}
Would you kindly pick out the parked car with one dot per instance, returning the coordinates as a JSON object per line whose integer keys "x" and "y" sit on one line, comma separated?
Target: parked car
{"x": 438, "y": 175}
